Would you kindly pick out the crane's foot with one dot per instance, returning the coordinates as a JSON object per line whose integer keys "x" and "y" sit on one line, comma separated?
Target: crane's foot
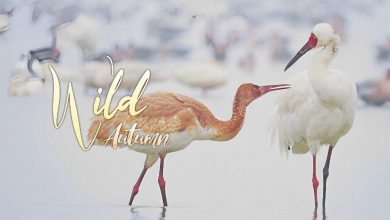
{"x": 133, "y": 194}
{"x": 323, "y": 214}
{"x": 315, "y": 213}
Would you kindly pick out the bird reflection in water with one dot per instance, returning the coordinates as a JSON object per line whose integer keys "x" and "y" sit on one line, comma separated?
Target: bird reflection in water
{"x": 147, "y": 212}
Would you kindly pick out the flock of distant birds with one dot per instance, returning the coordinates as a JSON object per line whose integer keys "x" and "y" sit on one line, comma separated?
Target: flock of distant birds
{"x": 31, "y": 71}
{"x": 27, "y": 81}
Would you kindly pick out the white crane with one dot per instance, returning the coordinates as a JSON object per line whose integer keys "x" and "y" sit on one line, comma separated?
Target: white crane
{"x": 22, "y": 82}
{"x": 320, "y": 106}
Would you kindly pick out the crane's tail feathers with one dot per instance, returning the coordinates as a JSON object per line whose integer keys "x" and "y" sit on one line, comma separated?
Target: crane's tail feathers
{"x": 273, "y": 127}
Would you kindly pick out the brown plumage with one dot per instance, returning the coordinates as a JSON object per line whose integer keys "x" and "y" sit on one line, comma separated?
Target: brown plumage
{"x": 183, "y": 118}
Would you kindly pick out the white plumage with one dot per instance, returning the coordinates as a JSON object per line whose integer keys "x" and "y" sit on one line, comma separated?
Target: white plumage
{"x": 21, "y": 82}
{"x": 24, "y": 85}
{"x": 306, "y": 119}
{"x": 4, "y": 23}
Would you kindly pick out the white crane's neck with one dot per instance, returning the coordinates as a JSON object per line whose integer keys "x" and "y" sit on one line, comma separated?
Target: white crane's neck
{"x": 321, "y": 80}
{"x": 323, "y": 58}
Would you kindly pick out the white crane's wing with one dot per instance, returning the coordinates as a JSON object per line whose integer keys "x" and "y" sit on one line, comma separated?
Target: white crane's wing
{"x": 293, "y": 107}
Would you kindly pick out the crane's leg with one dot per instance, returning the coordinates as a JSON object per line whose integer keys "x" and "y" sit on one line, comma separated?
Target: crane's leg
{"x": 150, "y": 160}
{"x": 315, "y": 182}
{"x": 137, "y": 184}
{"x": 161, "y": 180}
{"x": 326, "y": 174}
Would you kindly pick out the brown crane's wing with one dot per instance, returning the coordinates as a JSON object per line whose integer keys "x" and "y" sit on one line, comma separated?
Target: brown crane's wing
{"x": 166, "y": 113}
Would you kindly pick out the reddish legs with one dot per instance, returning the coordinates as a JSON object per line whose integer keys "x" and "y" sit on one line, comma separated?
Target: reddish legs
{"x": 325, "y": 175}
{"x": 136, "y": 186}
{"x": 161, "y": 180}
{"x": 315, "y": 185}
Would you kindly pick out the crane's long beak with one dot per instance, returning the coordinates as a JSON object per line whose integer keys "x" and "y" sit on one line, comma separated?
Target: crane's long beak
{"x": 300, "y": 53}
{"x": 270, "y": 88}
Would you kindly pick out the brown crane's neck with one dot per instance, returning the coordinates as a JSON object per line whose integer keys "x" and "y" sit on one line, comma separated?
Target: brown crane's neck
{"x": 226, "y": 130}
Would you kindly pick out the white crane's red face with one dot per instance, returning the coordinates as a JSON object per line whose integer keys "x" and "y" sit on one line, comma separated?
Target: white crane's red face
{"x": 322, "y": 35}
